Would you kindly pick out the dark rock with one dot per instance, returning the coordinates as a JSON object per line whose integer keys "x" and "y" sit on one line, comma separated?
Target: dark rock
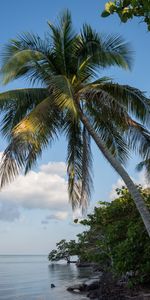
{"x": 79, "y": 287}
{"x": 52, "y": 285}
{"x": 76, "y": 291}
{"x": 92, "y": 284}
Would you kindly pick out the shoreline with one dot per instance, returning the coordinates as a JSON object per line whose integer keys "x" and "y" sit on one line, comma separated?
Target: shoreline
{"x": 102, "y": 286}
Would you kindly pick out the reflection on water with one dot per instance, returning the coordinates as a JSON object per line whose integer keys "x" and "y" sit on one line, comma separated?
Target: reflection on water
{"x": 30, "y": 277}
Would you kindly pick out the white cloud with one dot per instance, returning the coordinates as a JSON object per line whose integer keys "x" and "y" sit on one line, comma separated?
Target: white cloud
{"x": 141, "y": 179}
{"x": 60, "y": 216}
{"x": 42, "y": 189}
{"x": 54, "y": 168}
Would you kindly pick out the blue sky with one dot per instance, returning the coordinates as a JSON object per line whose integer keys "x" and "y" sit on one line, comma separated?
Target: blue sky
{"x": 34, "y": 212}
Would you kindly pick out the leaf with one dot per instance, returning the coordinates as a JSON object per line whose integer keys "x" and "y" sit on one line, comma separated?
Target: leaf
{"x": 105, "y": 14}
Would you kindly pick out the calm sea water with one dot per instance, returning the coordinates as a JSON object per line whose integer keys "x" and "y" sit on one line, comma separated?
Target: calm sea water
{"x": 29, "y": 278}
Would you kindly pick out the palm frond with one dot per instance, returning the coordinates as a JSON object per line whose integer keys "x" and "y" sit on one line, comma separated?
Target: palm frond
{"x": 111, "y": 134}
{"x": 28, "y": 56}
{"x": 126, "y": 98}
{"x": 143, "y": 144}
{"x": 89, "y": 44}
{"x": 30, "y": 95}
{"x": 99, "y": 101}
{"x": 79, "y": 162}
{"x": 25, "y": 41}
{"x": 73, "y": 131}
{"x": 130, "y": 134}
{"x": 63, "y": 39}
{"x": 16, "y": 104}
{"x": 117, "y": 51}
{"x": 29, "y": 138}
{"x": 104, "y": 51}
{"x": 12, "y": 161}
{"x": 138, "y": 139}
{"x": 63, "y": 93}
{"x": 114, "y": 141}
{"x": 18, "y": 64}
{"x": 132, "y": 98}
{"x": 110, "y": 115}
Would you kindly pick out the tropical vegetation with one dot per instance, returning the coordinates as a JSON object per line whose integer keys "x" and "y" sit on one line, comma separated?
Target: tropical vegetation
{"x": 71, "y": 97}
{"x": 115, "y": 238}
{"x": 64, "y": 251}
{"x": 127, "y": 9}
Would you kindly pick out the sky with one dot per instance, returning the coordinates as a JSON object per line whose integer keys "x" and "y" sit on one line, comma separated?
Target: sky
{"x": 34, "y": 210}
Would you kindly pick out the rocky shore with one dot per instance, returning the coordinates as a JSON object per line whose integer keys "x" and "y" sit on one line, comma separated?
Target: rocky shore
{"x": 102, "y": 286}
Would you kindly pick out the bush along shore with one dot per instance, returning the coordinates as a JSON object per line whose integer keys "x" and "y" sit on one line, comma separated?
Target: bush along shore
{"x": 116, "y": 246}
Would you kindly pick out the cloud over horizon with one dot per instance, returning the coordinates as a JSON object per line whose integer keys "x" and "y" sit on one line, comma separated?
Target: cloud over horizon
{"x": 45, "y": 189}
{"x": 42, "y": 189}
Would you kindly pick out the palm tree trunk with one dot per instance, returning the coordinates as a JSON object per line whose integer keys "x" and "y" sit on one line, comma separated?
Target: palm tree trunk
{"x": 139, "y": 202}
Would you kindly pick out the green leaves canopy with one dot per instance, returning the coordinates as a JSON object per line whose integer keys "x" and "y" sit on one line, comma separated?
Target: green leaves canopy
{"x": 127, "y": 9}
{"x": 64, "y": 250}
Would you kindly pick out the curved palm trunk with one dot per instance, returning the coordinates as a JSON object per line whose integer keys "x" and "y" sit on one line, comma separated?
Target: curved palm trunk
{"x": 139, "y": 202}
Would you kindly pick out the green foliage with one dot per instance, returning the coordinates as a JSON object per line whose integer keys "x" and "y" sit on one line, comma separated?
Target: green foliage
{"x": 127, "y": 9}
{"x": 64, "y": 251}
{"x": 116, "y": 238}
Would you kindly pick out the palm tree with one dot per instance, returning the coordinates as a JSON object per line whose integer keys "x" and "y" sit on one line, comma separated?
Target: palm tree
{"x": 74, "y": 100}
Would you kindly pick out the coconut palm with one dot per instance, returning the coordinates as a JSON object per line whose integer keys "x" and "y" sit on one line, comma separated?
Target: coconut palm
{"x": 71, "y": 98}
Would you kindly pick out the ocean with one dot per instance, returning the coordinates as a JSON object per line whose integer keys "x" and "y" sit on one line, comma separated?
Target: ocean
{"x": 29, "y": 277}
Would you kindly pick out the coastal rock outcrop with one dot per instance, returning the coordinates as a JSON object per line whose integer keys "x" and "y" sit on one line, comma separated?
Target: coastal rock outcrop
{"x": 102, "y": 286}
{"x": 80, "y": 287}
{"x": 90, "y": 287}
